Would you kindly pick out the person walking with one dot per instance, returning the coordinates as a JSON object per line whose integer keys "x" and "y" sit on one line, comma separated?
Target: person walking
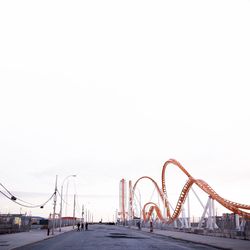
{"x": 151, "y": 226}
{"x": 78, "y": 226}
{"x": 86, "y": 225}
{"x": 82, "y": 226}
{"x": 139, "y": 225}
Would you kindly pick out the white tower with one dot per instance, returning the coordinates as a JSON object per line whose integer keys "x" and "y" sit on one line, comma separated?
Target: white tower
{"x": 123, "y": 199}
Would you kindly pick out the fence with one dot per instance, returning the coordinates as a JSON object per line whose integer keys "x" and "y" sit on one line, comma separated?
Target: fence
{"x": 13, "y": 223}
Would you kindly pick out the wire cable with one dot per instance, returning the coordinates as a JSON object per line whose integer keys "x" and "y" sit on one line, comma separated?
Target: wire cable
{"x": 62, "y": 198}
{"x": 14, "y": 199}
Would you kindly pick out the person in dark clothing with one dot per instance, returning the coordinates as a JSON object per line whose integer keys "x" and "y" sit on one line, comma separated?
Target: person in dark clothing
{"x": 86, "y": 225}
{"x": 151, "y": 226}
{"x": 139, "y": 225}
{"x": 82, "y": 226}
{"x": 78, "y": 226}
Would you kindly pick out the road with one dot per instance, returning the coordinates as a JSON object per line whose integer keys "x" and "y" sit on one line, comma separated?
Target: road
{"x": 108, "y": 237}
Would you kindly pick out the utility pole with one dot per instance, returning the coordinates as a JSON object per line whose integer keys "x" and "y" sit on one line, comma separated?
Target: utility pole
{"x": 82, "y": 213}
{"x": 66, "y": 205}
{"x": 60, "y": 223}
{"x": 54, "y": 209}
{"x": 74, "y": 211}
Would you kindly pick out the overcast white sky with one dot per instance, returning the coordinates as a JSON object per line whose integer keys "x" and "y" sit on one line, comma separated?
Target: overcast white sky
{"x": 113, "y": 89}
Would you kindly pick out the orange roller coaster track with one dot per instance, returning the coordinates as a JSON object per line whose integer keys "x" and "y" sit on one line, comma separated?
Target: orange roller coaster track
{"x": 153, "y": 207}
{"x": 230, "y": 205}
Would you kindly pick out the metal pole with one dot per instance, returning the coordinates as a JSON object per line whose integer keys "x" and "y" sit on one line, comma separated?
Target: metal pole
{"x": 116, "y": 215}
{"x": 60, "y": 224}
{"x": 60, "y": 227}
{"x": 204, "y": 213}
{"x": 189, "y": 219}
{"x": 237, "y": 222}
{"x": 82, "y": 213}
{"x": 66, "y": 196}
{"x": 54, "y": 208}
{"x": 183, "y": 215}
{"x": 164, "y": 208}
{"x": 140, "y": 204}
{"x": 210, "y": 225}
{"x": 74, "y": 211}
{"x": 214, "y": 216}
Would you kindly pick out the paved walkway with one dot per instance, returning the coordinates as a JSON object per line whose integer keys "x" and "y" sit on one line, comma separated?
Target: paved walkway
{"x": 219, "y": 242}
{"x": 12, "y": 241}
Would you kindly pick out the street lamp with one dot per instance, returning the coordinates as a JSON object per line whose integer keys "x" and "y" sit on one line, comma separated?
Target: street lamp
{"x": 62, "y": 200}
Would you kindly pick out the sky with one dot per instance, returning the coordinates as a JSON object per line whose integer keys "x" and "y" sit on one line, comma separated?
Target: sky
{"x": 112, "y": 89}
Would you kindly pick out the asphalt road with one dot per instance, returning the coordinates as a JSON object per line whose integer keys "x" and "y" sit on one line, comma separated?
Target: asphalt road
{"x": 111, "y": 237}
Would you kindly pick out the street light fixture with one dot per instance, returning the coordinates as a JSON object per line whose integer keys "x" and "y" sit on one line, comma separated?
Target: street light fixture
{"x": 74, "y": 175}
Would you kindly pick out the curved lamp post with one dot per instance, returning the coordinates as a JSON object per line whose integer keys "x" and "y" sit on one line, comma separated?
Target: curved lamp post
{"x": 62, "y": 200}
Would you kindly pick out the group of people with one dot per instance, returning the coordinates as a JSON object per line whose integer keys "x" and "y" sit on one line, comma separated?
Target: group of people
{"x": 82, "y": 226}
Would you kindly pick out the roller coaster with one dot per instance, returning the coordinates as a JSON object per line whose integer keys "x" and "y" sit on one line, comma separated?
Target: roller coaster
{"x": 165, "y": 215}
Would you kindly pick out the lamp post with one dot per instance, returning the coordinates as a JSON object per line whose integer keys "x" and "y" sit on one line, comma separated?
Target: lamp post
{"x": 54, "y": 209}
{"x": 60, "y": 228}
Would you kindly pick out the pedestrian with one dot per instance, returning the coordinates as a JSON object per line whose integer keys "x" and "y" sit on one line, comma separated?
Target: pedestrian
{"x": 78, "y": 226}
{"x": 151, "y": 227}
{"x": 48, "y": 228}
{"x": 139, "y": 225}
{"x": 86, "y": 226}
{"x": 82, "y": 226}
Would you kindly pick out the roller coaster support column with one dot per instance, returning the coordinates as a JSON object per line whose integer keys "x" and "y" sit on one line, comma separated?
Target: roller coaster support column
{"x": 189, "y": 218}
{"x": 214, "y": 216}
{"x": 211, "y": 222}
{"x": 204, "y": 213}
{"x": 182, "y": 217}
{"x": 123, "y": 200}
{"x": 175, "y": 221}
{"x": 242, "y": 224}
{"x": 237, "y": 222}
{"x": 130, "y": 205}
{"x": 198, "y": 198}
{"x": 116, "y": 216}
{"x": 210, "y": 216}
{"x": 184, "y": 221}
{"x": 175, "y": 224}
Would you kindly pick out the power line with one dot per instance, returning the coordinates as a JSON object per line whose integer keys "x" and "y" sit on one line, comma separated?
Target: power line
{"x": 62, "y": 198}
{"x": 14, "y": 199}
{"x": 28, "y": 206}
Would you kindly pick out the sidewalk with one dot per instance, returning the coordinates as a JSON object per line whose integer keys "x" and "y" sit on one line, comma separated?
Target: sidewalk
{"x": 12, "y": 241}
{"x": 219, "y": 242}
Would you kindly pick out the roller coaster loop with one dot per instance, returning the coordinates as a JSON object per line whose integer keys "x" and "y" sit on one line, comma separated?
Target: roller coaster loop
{"x": 235, "y": 207}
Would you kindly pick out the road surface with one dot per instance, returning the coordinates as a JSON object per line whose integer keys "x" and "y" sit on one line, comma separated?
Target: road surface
{"x": 106, "y": 237}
